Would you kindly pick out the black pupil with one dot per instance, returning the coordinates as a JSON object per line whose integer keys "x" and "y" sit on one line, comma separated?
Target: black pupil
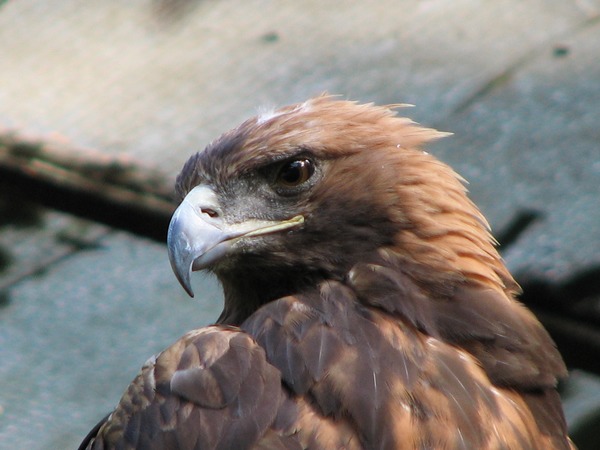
{"x": 295, "y": 172}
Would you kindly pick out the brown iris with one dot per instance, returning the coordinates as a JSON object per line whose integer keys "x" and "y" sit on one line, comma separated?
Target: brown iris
{"x": 294, "y": 173}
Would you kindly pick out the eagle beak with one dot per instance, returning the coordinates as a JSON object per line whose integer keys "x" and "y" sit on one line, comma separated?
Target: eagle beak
{"x": 199, "y": 236}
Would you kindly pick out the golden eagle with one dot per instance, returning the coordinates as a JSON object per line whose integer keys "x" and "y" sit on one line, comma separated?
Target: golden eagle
{"x": 366, "y": 306}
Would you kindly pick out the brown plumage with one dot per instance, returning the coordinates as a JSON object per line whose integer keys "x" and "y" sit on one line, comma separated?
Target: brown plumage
{"x": 365, "y": 303}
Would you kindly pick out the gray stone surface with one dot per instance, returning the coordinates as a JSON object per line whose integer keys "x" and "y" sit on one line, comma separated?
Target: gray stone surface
{"x": 518, "y": 82}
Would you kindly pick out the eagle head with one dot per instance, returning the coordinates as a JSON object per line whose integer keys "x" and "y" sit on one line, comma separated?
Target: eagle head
{"x": 308, "y": 192}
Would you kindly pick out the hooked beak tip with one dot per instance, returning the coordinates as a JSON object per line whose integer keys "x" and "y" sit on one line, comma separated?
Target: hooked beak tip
{"x": 187, "y": 286}
{"x": 181, "y": 268}
{"x": 180, "y": 256}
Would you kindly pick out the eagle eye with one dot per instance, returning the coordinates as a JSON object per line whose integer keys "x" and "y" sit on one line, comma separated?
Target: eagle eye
{"x": 294, "y": 173}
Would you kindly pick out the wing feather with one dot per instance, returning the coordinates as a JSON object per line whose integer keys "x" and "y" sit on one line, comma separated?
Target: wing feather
{"x": 395, "y": 386}
{"x": 212, "y": 389}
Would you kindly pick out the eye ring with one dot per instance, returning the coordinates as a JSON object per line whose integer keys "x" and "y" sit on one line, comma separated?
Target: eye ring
{"x": 295, "y": 172}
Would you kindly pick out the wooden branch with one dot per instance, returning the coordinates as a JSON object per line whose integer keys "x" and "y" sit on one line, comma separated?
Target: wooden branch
{"x": 118, "y": 191}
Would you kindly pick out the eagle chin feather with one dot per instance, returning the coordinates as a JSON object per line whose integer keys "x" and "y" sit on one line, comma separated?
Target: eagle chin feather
{"x": 366, "y": 305}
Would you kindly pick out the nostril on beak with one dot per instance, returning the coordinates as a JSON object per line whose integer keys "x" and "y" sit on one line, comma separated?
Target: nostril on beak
{"x": 209, "y": 212}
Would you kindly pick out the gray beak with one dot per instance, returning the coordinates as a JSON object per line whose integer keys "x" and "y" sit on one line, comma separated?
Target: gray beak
{"x": 196, "y": 228}
{"x": 199, "y": 236}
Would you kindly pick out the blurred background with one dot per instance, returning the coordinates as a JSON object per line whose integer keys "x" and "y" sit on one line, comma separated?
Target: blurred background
{"x": 102, "y": 102}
